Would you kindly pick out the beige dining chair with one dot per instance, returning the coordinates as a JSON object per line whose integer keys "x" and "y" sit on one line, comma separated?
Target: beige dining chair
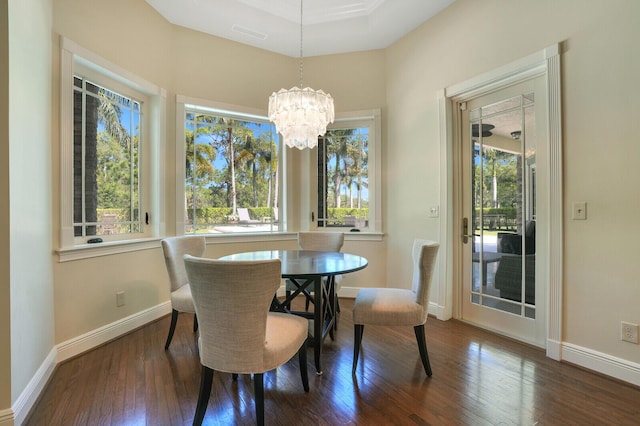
{"x": 238, "y": 334}
{"x": 174, "y": 249}
{"x": 399, "y": 307}
{"x": 319, "y": 241}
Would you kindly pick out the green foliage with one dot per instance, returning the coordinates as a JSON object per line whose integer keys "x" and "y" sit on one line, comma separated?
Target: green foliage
{"x": 222, "y": 215}
{"x": 340, "y": 213}
{"x": 508, "y": 212}
{"x": 504, "y": 167}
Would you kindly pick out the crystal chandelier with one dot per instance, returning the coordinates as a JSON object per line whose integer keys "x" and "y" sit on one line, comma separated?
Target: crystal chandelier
{"x": 301, "y": 114}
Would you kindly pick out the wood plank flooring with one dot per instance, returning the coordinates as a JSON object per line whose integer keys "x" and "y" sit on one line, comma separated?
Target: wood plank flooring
{"x": 478, "y": 379}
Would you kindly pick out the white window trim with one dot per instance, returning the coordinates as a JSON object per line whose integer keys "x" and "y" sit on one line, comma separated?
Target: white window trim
{"x": 375, "y": 198}
{"x": 68, "y": 248}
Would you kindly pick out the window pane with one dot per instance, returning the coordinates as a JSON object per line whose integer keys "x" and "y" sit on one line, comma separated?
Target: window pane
{"x": 106, "y": 161}
{"x": 231, "y": 181}
{"x": 343, "y": 178}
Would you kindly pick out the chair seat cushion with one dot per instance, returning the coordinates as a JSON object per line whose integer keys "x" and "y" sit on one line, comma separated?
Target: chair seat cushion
{"x": 387, "y": 306}
{"x": 181, "y": 300}
{"x": 286, "y": 333}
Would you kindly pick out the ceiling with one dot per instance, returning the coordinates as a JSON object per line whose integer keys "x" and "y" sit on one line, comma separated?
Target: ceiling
{"x": 329, "y": 26}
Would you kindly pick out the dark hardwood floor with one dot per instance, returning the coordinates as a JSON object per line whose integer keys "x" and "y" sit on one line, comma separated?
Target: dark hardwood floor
{"x": 478, "y": 379}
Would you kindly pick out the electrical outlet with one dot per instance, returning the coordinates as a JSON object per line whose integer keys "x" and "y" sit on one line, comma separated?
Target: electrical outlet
{"x": 120, "y": 299}
{"x": 629, "y": 332}
{"x": 434, "y": 211}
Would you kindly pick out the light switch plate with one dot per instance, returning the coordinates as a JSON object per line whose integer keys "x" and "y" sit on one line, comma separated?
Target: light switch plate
{"x": 579, "y": 211}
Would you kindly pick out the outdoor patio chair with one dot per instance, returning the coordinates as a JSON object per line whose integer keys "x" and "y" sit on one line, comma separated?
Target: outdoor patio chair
{"x": 244, "y": 218}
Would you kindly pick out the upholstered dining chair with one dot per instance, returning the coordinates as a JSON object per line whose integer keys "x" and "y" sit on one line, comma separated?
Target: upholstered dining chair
{"x": 174, "y": 249}
{"x": 319, "y": 241}
{"x": 238, "y": 334}
{"x": 399, "y": 307}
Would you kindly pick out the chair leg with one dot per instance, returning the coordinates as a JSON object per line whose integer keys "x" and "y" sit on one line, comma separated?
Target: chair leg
{"x": 195, "y": 323}
{"x": 335, "y": 323}
{"x": 302, "y": 359}
{"x": 358, "y": 330}
{"x": 203, "y": 399}
{"x": 235, "y": 377}
{"x": 287, "y": 294}
{"x": 258, "y": 387}
{"x": 422, "y": 346}
{"x": 172, "y": 328}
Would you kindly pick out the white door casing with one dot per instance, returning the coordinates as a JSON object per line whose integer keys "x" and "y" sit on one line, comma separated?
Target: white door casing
{"x": 547, "y": 63}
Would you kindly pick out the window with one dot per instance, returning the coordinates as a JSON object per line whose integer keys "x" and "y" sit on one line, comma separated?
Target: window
{"x": 106, "y": 167}
{"x": 110, "y": 151}
{"x": 231, "y": 172}
{"x": 347, "y": 177}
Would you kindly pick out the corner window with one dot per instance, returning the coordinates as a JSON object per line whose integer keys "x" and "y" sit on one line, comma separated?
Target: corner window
{"x": 232, "y": 172}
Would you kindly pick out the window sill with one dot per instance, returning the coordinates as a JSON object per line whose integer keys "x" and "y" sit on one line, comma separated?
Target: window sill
{"x": 363, "y": 235}
{"x": 86, "y": 251}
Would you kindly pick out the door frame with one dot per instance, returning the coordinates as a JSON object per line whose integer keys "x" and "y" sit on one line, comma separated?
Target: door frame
{"x": 545, "y": 62}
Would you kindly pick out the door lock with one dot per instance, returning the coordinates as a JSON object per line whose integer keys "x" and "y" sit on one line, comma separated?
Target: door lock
{"x": 465, "y": 230}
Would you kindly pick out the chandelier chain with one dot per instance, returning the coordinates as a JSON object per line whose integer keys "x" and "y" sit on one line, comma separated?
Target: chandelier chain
{"x": 301, "y": 66}
{"x": 301, "y": 114}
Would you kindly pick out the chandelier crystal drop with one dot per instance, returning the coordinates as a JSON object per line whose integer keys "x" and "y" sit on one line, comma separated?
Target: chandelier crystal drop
{"x": 301, "y": 114}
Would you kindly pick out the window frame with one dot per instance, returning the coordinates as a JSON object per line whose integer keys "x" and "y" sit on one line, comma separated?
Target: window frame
{"x": 74, "y": 58}
{"x": 184, "y": 103}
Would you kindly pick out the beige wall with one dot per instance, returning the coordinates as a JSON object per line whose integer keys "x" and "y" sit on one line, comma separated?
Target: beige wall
{"x": 601, "y": 63}
{"x": 5, "y": 272}
{"x": 30, "y": 102}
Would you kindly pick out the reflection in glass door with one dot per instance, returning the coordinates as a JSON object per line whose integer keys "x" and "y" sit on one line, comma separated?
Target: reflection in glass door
{"x": 499, "y": 138}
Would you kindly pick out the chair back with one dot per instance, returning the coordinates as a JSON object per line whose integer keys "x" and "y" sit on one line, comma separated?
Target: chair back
{"x": 174, "y": 249}
{"x": 243, "y": 214}
{"x": 321, "y": 241}
{"x": 424, "y": 261}
{"x": 232, "y": 300}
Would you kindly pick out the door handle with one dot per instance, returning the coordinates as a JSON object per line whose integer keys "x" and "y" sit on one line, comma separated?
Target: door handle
{"x": 465, "y": 230}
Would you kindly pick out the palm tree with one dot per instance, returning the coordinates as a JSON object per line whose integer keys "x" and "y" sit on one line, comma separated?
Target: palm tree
{"x": 338, "y": 149}
{"x": 199, "y": 169}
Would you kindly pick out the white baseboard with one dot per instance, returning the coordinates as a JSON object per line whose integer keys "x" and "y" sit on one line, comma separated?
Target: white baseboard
{"x": 34, "y": 388}
{"x": 348, "y": 292}
{"x": 99, "y": 336}
{"x": 74, "y": 347}
{"x": 606, "y": 364}
{"x": 437, "y": 311}
{"x": 554, "y": 349}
